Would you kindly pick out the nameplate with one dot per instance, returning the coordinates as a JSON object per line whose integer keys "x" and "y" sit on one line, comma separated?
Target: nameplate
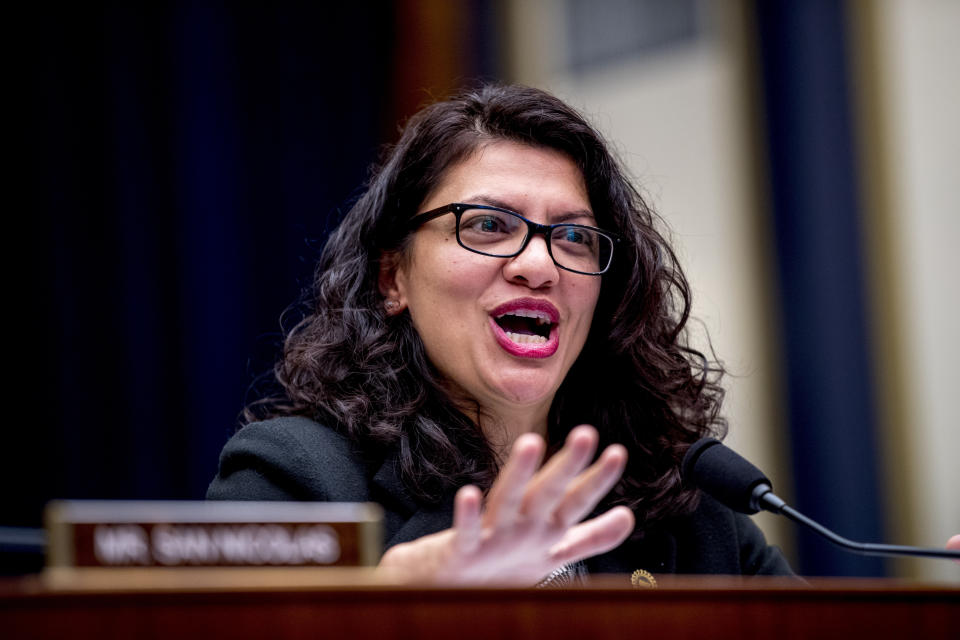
{"x": 212, "y": 534}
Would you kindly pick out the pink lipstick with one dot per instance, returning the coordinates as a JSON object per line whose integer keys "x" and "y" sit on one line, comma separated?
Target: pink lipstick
{"x": 526, "y": 328}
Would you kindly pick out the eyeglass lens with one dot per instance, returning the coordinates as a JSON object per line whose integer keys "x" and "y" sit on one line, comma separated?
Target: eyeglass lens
{"x": 502, "y": 234}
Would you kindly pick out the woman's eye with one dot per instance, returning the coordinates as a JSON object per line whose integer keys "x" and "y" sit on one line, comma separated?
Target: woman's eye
{"x": 485, "y": 224}
{"x": 573, "y": 235}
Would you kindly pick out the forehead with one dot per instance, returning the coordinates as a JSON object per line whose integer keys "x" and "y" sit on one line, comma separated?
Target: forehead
{"x": 516, "y": 174}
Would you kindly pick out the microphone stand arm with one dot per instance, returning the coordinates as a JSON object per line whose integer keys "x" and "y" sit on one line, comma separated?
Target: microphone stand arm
{"x": 764, "y": 498}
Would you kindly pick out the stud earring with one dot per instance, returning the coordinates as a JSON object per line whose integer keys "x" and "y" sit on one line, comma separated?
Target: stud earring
{"x": 391, "y": 305}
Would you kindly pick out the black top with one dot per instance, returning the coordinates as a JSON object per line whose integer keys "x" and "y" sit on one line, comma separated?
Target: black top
{"x": 298, "y": 459}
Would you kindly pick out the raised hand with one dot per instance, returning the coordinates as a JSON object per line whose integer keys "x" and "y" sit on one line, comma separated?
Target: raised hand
{"x": 530, "y": 523}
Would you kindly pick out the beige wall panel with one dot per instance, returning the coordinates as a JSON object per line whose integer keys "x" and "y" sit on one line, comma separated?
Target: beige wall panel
{"x": 916, "y": 197}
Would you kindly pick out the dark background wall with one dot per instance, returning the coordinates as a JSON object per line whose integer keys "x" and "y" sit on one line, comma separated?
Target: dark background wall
{"x": 177, "y": 170}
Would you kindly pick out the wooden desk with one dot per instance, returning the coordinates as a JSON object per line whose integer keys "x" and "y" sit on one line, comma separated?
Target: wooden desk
{"x": 311, "y": 603}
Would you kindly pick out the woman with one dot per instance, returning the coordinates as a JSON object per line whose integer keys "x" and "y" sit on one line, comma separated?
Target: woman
{"x": 498, "y": 296}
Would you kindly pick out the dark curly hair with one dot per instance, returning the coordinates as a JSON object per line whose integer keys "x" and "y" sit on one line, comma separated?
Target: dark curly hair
{"x": 366, "y": 374}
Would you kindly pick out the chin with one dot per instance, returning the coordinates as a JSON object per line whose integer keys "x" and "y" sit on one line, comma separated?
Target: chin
{"x": 524, "y": 389}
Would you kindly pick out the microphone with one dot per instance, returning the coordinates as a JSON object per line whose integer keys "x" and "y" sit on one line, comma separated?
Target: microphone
{"x": 733, "y": 481}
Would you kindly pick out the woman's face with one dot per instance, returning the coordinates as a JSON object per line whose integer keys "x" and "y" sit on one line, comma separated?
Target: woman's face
{"x": 469, "y": 309}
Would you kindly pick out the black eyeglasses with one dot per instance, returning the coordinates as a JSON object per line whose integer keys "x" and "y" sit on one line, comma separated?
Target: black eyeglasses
{"x": 501, "y": 233}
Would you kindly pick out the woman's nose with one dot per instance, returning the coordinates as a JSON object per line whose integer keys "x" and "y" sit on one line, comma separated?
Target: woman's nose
{"x": 533, "y": 266}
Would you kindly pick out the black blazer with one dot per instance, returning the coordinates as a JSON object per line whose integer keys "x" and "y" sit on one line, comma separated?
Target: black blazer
{"x": 298, "y": 459}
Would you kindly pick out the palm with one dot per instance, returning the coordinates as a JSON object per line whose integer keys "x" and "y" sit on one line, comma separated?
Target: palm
{"x": 530, "y": 523}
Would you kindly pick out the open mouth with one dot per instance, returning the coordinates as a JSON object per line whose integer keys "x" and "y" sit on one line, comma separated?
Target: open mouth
{"x": 525, "y": 326}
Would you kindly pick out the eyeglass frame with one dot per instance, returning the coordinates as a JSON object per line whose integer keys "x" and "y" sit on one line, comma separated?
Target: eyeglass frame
{"x": 533, "y": 228}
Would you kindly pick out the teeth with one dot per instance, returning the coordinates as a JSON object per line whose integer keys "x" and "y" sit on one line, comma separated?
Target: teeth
{"x": 523, "y": 338}
{"x": 541, "y": 317}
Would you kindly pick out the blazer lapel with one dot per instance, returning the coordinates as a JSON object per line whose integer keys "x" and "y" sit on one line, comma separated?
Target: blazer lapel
{"x": 405, "y": 519}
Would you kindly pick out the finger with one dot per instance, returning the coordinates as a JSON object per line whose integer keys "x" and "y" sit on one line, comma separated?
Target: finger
{"x": 505, "y": 496}
{"x": 953, "y": 544}
{"x": 595, "y": 536}
{"x": 549, "y": 486}
{"x": 466, "y": 519}
{"x": 591, "y": 486}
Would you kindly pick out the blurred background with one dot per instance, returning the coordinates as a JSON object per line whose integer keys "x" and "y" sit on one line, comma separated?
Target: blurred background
{"x": 177, "y": 167}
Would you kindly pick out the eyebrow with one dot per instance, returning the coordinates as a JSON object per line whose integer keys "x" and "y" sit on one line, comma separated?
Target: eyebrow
{"x": 566, "y": 216}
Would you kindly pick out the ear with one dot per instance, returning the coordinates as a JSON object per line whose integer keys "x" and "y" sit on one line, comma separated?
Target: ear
{"x": 395, "y": 300}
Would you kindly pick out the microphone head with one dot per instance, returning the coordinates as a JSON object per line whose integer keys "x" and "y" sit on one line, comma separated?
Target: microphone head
{"x": 724, "y": 474}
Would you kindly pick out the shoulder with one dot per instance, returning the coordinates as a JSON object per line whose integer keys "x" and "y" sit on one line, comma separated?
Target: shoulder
{"x": 715, "y": 539}
{"x": 289, "y": 458}
{"x": 295, "y": 438}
